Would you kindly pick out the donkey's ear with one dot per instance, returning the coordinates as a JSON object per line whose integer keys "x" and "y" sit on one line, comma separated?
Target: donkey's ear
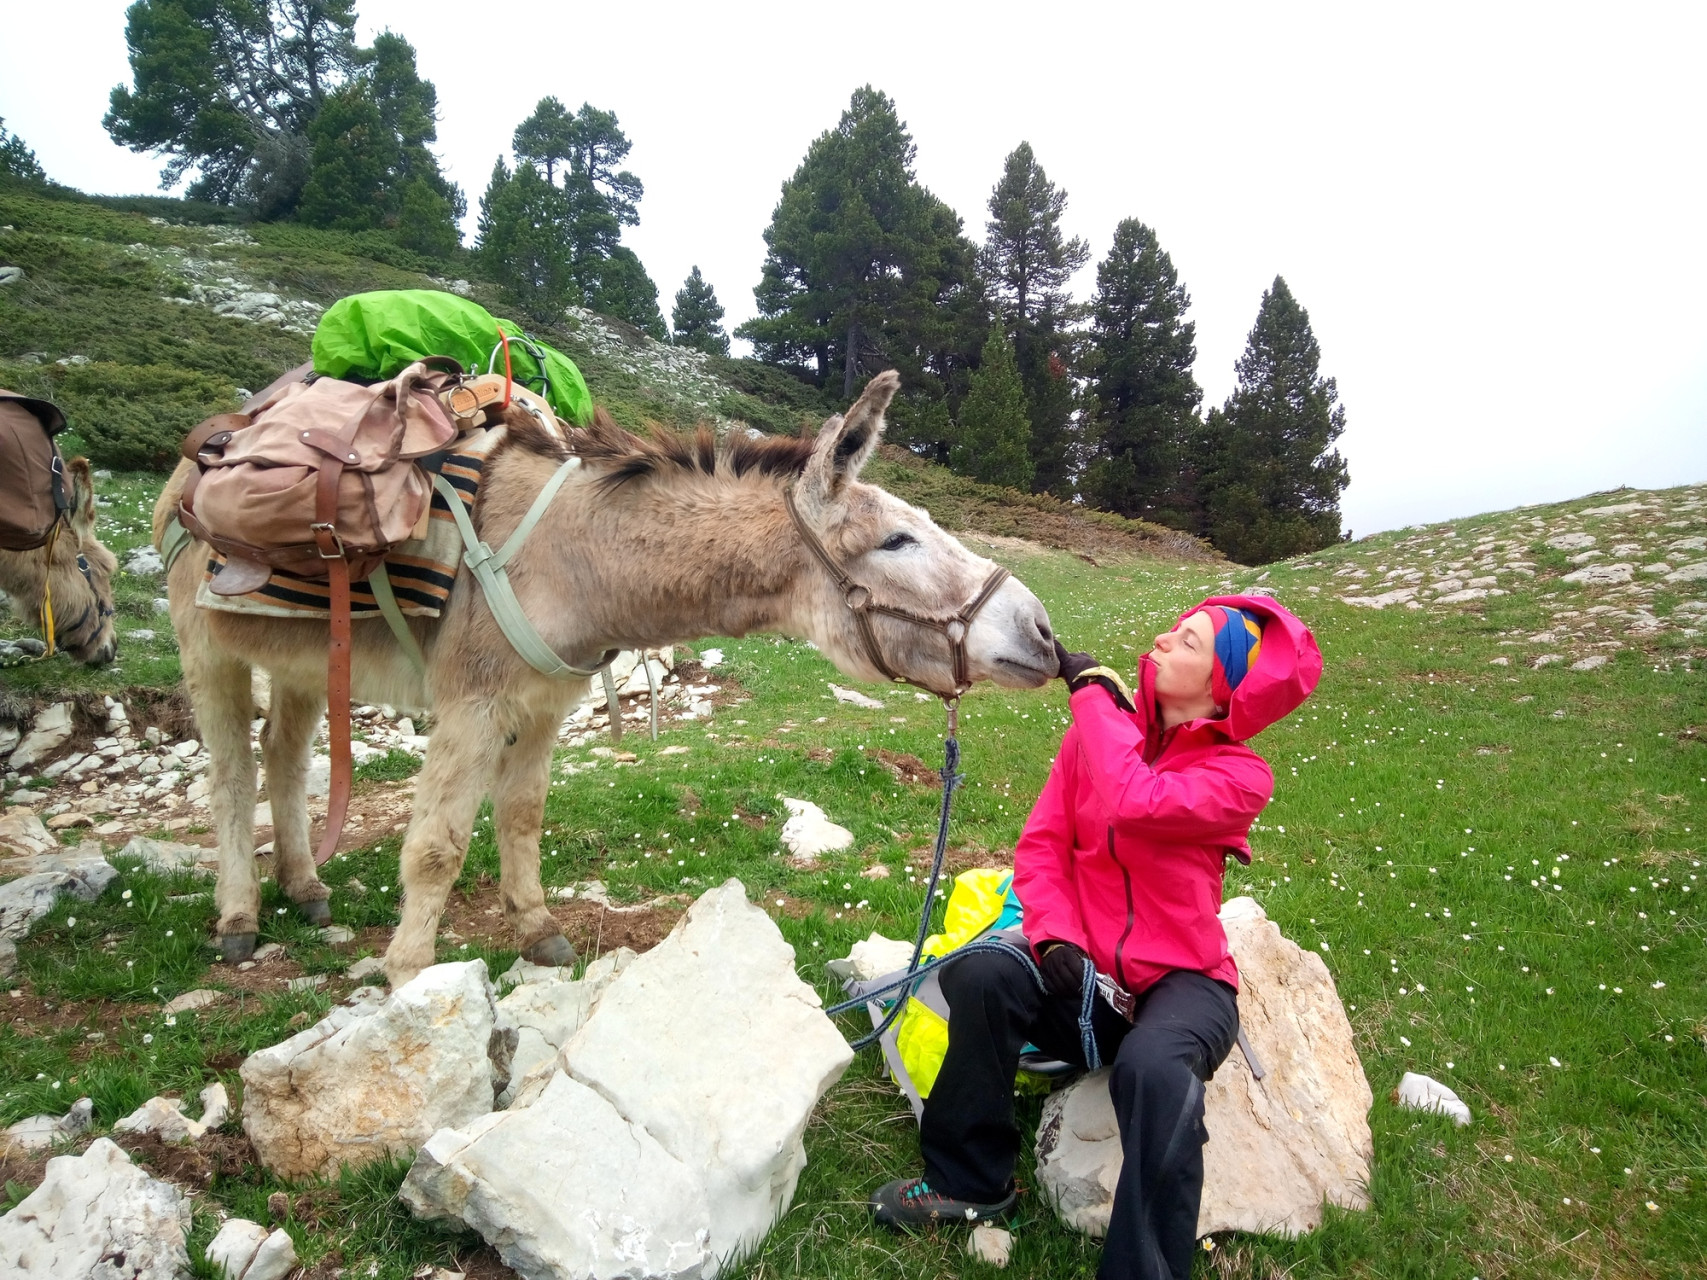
{"x": 80, "y": 490}
{"x": 847, "y": 441}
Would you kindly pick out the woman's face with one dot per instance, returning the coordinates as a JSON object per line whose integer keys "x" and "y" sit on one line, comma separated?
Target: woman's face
{"x": 1184, "y": 658}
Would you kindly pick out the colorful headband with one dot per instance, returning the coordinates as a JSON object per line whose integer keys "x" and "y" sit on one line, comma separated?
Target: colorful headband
{"x": 1238, "y": 641}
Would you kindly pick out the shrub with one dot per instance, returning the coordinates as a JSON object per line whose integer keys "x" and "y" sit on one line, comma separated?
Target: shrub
{"x": 132, "y": 417}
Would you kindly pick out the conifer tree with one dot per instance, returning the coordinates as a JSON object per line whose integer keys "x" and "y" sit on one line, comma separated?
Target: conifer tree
{"x": 1142, "y": 400}
{"x": 17, "y": 159}
{"x": 623, "y": 289}
{"x": 865, "y": 269}
{"x": 1028, "y": 262}
{"x": 994, "y": 429}
{"x": 1271, "y": 477}
{"x": 523, "y": 240}
{"x": 698, "y": 317}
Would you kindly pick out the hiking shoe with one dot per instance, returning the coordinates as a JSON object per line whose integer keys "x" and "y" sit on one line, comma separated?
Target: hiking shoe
{"x": 910, "y": 1202}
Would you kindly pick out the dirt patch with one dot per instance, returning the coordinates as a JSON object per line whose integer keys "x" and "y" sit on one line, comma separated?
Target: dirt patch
{"x": 32, "y": 1015}
{"x": 909, "y": 769}
{"x": 25, "y": 1170}
{"x": 190, "y": 1164}
{"x": 478, "y": 916}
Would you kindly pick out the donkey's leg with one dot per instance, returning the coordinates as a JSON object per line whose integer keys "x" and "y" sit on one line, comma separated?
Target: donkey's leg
{"x": 295, "y": 711}
{"x": 223, "y": 700}
{"x": 458, "y": 769}
{"x": 518, "y": 805}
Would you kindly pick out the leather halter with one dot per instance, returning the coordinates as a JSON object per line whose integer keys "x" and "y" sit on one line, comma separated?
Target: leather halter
{"x": 859, "y": 600}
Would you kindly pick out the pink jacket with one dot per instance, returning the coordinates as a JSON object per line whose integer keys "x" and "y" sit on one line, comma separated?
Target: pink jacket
{"x": 1123, "y": 852}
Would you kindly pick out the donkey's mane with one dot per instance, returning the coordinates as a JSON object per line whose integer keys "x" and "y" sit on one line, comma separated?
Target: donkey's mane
{"x": 623, "y": 456}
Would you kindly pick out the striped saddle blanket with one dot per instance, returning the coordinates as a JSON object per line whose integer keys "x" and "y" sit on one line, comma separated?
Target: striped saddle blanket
{"x": 421, "y": 570}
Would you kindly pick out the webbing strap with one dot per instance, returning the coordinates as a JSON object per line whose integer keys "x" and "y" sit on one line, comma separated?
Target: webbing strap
{"x": 488, "y": 570}
{"x": 174, "y": 540}
{"x": 379, "y": 582}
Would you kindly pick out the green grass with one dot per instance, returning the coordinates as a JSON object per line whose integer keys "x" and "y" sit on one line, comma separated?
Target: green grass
{"x": 1418, "y": 774}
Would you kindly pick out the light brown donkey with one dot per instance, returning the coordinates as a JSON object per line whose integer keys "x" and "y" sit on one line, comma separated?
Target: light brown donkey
{"x": 650, "y": 542}
{"x": 80, "y": 573}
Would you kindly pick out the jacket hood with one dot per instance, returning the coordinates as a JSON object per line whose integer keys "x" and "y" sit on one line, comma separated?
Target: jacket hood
{"x": 1287, "y": 669}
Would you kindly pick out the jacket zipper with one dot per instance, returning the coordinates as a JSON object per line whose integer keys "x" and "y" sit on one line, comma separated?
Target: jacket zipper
{"x": 1120, "y": 947}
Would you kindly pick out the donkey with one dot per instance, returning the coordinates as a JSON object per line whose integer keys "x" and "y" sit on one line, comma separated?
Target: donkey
{"x": 79, "y": 573}
{"x": 651, "y": 541}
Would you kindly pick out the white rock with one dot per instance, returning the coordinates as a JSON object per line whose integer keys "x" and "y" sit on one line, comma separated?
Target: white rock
{"x": 1689, "y": 573}
{"x": 37, "y": 1133}
{"x": 167, "y": 856}
{"x": 1279, "y": 1148}
{"x": 1401, "y": 596}
{"x": 808, "y": 832}
{"x": 49, "y": 731}
{"x": 318, "y": 779}
{"x": 1571, "y": 541}
{"x": 233, "y": 1246}
{"x": 1467, "y": 594}
{"x": 336, "y": 935}
{"x": 1420, "y": 1093}
{"x": 81, "y": 872}
{"x": 165, "y": 1117}
{"x": 665, "y": 1159}
{"x": 1688, "y": 544}
{"x": 546, "y": 1011}
{"x": 1591, "y": 662}
{"x": 377, "y": 1078}
{"x": 711, "y": 658}
{"x": 89, "y": 1213}
{"x": 185, "y": 749}
{"x": 854, "y": 698}
{"x": 872, "y": 958}
{"x": 275, "y": 1259}
{"x": 990, "y": 1244}
{"x": 190, "y": 1001}
{"x": 144, "y": 559}
{"x": 636, "y": 684}
{"x": 8, "y": 957}
{"x": 1592, "y": 575}
{"x": 1616, "y": 509}
{"x": 9, "y": 736}
{"x": 366, "y": 967}
{"x": 22, "y": 835}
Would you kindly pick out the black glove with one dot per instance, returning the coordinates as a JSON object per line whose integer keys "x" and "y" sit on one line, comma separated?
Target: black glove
{"x": 1063, "y": 969}
{"x": 1073, "y": 669}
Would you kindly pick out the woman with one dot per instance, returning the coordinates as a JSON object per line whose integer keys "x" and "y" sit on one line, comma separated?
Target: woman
{"x": 1120, "y": 867}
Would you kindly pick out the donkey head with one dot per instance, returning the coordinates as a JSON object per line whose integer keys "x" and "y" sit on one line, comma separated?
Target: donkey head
{"x": 898, "y": 555}
{"x": 81, "y": 576}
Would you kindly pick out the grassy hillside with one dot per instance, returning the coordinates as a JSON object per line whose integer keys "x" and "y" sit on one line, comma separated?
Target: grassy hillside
{"x": 1483, "y": 823}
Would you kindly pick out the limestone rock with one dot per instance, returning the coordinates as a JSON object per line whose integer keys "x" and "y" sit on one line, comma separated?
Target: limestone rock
{"x": 1401, "y": 596}
{"x": 1571, "y": 541}
{"x": 144, "y": 559}
{"x": 37, "y": 1133}
{"x": 97, "y": 1215}
{"x": 81, "y": 872}
{"x": 165, "y": 1118}
{"x": 234, "y": 1245}
{"x": 22, "y": 836}
{"x": 378, "y": 1076}
{"x": 1592, "y": 575}
{"x": 1688, "y": 573}
{"x": 8, "y": 957}
{"x": 547, "y": 1012}
{"x": 854, "y": 698}
{"x": 1420, "y": 1093}
{"x": 872, "y": 958}
{"x": 663, "y": 1158}
{"x": 1278, "y": 1148}
{"x": 50, "y": 731}
{"x": 166, "y": 856}
{"x": 190, "y": 1001}
{"x": 990, "y": 1244}
{"x": 808, "y": 832}
{"x": 275, "y": 1259}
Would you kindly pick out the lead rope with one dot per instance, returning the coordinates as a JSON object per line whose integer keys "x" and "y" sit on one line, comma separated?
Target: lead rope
{"x": 952, "y": 778}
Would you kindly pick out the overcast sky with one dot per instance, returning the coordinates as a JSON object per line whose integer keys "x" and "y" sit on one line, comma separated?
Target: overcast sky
{"x": 1493, "y": 213}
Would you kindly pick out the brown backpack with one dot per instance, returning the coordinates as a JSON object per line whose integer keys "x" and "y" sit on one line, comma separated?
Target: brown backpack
{"x": 33, "y": 494}
{"x": 317, "y": 478}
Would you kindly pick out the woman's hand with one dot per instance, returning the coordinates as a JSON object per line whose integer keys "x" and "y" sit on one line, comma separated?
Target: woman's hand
{"x": 1080, "y": 669}
{"x": 1063, "y": 968}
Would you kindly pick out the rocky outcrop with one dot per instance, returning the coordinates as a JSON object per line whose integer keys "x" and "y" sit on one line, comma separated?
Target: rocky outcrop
{"x": 377, "y": 1076}
{"x": 50, "y": 730}
{"x": 98, "y": 1216}
{"x": 1278, "y": 1148}
{"x": 547, "y": 1009}
{"x": 82, "y": 872}
{"x": 165, "y": 1118}
{"x": 642, "y": 1152}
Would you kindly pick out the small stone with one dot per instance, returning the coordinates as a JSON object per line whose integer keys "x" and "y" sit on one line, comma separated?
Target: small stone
{"x": 144, "y": 559}
{"x": 234, "y": 1246}
{"x": 307, "y": 982}
{"x": 1591, "y": 662}
{"x": 364, "y": 968}
{"x": 190, "y": 1001}
{"x": 1420, "y": 1093}
{"x": 336, "y": 935}
{"x": 8, "y": 957}
{"x": 48, "y": 732}
{"x": 854, "y": 698}
{"x": 65, "y": 821}
{"x": 275, "y": 1259}
{"x": 278, "y": 1206}
{"x": 808, "y": 832}
{"x": 268, "y": 951}
{"x": 990, "y": 1244}
{"x": 877, "y": 872}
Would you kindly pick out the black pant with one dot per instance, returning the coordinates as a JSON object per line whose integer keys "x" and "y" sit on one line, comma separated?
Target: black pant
{"x": 1185, "y": 1028}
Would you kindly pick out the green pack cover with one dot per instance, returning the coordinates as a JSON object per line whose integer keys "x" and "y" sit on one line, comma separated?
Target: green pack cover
{"x": 377, "y": 335}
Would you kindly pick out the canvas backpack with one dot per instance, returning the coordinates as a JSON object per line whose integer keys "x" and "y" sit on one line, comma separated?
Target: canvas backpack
{"x": 33, "y": 492}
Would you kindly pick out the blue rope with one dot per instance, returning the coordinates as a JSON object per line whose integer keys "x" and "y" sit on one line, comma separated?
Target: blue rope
{"x": 951, "y": 779}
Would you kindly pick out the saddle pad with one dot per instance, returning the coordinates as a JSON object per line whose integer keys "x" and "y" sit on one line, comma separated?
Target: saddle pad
{"x": 422, "y": 570}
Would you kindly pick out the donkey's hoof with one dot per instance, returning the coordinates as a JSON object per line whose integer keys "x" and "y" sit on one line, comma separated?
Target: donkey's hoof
{"x": 553, "y": 950}
{"x": 317, "y": 911}
{"x": 236, "y": 947}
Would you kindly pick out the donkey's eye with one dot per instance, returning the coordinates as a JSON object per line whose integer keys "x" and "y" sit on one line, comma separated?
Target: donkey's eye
{"x": 895, "y": 541}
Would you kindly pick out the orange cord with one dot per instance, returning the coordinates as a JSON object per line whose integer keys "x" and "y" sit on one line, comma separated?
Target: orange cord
{"x": 504, "y": 341}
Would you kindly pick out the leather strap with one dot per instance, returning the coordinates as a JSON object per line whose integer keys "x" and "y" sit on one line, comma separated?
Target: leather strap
{"x": 203, "y": 431}
{"x": 325, "y": 530}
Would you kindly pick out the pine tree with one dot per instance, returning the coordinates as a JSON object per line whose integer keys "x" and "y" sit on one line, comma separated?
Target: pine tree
{"x": 1271, "y": 478}
{"x": 698, "y": 317}
{"x": 351, "y": 159}
{"x": 1142, "y": 400}
{"x": 16, "y": 159}
{"x": 1028, "y": 262}
{"x": 994, "y": 429}
{"x": 624, "y": 290}
{"x": 523, "y": 241}
{"x": 865, "y": 269}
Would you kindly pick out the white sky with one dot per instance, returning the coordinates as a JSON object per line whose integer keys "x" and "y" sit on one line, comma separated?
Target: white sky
{"x": 1494, "y": 213}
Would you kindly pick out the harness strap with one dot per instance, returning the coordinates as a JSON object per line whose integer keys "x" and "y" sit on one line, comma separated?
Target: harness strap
{"x": 174, "y": 540}
{"x": 331, "y": 546}
{"x": 47, "y": 627}
{"x": 379, "y": 582}
{"x": 488, "y": 571}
